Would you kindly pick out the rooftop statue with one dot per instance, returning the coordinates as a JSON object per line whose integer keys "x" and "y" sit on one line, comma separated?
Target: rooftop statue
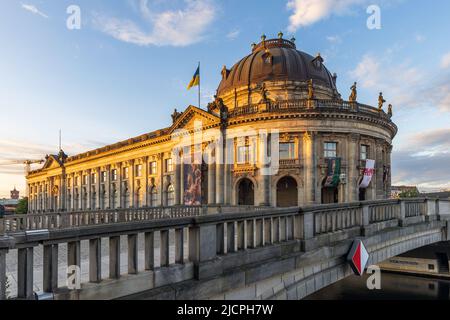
{"x": 390, "y": 110}
{"x": 176, "y": 115}
{"x": 354, "y": 93}
{"x": 381, "y": 101}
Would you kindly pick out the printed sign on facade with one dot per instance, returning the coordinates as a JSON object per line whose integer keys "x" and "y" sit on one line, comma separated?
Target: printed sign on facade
{"x": 334, "y": 172}
{"x": 192, "y": 176}
{"x": 368, "y": 174}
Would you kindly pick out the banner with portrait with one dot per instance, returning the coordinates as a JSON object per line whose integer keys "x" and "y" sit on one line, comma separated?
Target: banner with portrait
{"x": 192, "y": 175}
{"x": 333, "y": 173}
{"x": 369, "y": 170}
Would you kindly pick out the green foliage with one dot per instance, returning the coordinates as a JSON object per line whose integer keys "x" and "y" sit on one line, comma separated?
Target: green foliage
{"x": 22, "y": 206}
{"x": 409, "y": 194}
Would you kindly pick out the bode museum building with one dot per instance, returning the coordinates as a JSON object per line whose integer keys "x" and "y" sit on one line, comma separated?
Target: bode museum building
{"x": 277, "y": 134}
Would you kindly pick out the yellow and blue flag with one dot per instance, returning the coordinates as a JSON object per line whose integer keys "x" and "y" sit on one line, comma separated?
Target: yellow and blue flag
{"x": 195, "y": 79}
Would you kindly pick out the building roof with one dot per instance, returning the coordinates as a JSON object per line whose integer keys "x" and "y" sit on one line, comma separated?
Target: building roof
{"x": 272, "y": 60}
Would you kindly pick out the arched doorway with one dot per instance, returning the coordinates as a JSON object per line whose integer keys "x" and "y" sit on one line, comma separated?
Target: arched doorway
{"x": 329, "y": 194}
{"x": 287, "y": 193}
{"x": 246, "y": 193}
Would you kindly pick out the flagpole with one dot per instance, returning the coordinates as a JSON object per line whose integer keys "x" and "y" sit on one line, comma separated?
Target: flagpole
{"x": 199, "y": 89}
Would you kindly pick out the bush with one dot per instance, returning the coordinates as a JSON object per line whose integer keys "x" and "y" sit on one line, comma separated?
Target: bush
{"x": 22, "y": 206}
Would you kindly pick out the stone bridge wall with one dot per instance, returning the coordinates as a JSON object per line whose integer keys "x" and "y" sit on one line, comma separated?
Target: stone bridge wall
{"x": 270, "y": 253}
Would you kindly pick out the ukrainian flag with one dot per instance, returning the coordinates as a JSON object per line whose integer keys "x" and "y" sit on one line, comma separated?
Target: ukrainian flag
{"x": 195, "y": 79}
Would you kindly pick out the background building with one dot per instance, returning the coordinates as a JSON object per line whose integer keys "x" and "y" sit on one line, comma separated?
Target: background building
{"x": 277, "y": 103}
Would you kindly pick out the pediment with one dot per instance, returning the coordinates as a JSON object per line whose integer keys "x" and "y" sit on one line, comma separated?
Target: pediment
{"x": 51, "y": 163}
{"x": 193, "y": 118}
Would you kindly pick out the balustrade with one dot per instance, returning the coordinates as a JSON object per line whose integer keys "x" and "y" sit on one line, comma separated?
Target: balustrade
{"x": 208, "y": 236}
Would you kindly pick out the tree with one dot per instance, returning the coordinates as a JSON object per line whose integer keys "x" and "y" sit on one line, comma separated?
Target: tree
{"x": 22, "y": 206}
{"x": 409, "y": 194}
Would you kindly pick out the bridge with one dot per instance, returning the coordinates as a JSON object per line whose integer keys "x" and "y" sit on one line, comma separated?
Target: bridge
{"x": 213, "y": 252}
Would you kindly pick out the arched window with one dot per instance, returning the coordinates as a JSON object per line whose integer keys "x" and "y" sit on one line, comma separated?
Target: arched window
{"x": 154, "y": 197}
{"x": 170, "y": 195}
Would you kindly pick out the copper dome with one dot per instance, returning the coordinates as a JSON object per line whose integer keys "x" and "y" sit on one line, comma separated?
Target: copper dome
{"x": 275, "y": 60}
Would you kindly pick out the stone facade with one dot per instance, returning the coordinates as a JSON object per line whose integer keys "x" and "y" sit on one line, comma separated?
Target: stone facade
{"x": 280, "y": 114}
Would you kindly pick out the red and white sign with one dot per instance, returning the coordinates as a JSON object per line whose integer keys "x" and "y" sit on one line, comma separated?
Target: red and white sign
{"x": 358, "y": 257}
{"x": 368, "y": 174}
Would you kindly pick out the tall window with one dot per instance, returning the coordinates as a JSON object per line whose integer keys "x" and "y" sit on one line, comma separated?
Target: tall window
{"x": 153, "y": 168}
{"x": 243, "y": 154}
{"x": 170, "y": 195}
{"x": 287, "y": 151}
{"x": 93, "y": 178}
{"x": 114, "y": 175}
{"x": 154, "y": 196}
{"x": 364, "y": 152}
{"x": 85, "y": 180}
{"x": 103, "y": 176}
{"x": 69, "y": 181}
{"x": 126, "y": 173}
{"x": 169, "y": 165}
{"x": 329, "y": 149}
{"x": 139, "y": 170}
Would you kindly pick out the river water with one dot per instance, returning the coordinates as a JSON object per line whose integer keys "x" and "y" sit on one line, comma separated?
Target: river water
{"x": 394, "y": 286}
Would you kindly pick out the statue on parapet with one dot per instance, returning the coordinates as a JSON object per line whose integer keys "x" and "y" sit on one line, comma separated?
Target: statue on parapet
{"x": 390, "y": 113}
{"x": 381, "y": 102}
{"x": 354, "y": 93}
{"x": 176, "y": 115}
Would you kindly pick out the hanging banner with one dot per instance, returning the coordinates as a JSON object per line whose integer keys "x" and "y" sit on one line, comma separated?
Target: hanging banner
{"x": 192, "y": 175}
{"x": 368, "y": 174}
{"x": 334, "y": 171}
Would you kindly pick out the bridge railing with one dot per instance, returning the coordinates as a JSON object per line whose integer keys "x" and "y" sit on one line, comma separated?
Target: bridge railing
{"x": 181, "y": 242}
{"x": 66, "y": 220}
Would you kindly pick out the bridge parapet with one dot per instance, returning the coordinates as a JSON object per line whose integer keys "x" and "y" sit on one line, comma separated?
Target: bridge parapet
{"x": 189, "y": 244}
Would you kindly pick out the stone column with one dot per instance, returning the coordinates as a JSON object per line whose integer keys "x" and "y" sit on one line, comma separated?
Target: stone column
{"x": 379, "y": 168}
{"x": 264, "y": 178}
{"x": 389, "y": 177}
{"x": 97, "y": 189}
{"x": 119, "y": 184}
{"x": 161, "y": 178}
{"x": 89, "y": 186}
{"x": 219, "y": 172}
{"x": 228, "y": 166}
{"x": 211, "y": 178}
{"x": 177, "y": 182}
{"x": 309, "y": 164}
{"x": 182, "y": 183}
{"x": 80, "y": 191}
{"x": 352, "y": 171}
{"x": 132, "y": 176}
{"x": 145, "y": 180}
{"x": 108, "y": 194}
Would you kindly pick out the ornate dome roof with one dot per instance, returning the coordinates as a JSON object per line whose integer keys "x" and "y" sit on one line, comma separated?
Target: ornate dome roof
{"x": 275, "y": 60}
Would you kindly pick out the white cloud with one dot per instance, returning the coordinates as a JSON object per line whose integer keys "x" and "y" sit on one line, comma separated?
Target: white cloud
{"x": 307, "y": 12}
{"x": 232, "y": 35}
{"x": 31, "y": 8}
{"x": 334, "y": 39}
{"x": 445, "y": 61}
{"x": 179, "y": 27}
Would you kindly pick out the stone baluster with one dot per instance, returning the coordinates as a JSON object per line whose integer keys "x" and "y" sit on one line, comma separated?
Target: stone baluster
{"x": 132, "y": 253}
{"x": 268, "y": 231}
{"x": 3, "y": 253}
{"x": 259, "y": 232}
{"x": 145, "y": 165}
{"x": 202, "y": 248}
{"x": 114, "y": 257}
{"x": 251, "y": 235}
{"x": 149, "y": 255}
{"x": 95, "y": 260}
{"x": 242, "y": 235}
{"x": 25, "y": 273}
{"x": 308, "y": 230}
{"x": 50, "y": 274}
{"x": 179, "y": 246}
{"x": 220, "y": 231}
{"x": 231, "y": 236}
{"x": 164, "y": 248}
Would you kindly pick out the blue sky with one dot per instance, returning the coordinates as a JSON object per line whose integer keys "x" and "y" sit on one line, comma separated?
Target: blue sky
{"x": 127, "y": 68}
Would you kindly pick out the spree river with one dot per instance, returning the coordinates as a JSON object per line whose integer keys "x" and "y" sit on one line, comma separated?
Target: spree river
{"x": 394, "y": 286}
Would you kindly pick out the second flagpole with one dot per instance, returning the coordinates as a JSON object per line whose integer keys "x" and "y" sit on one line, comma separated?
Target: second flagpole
{"x": 199, "y": 83}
